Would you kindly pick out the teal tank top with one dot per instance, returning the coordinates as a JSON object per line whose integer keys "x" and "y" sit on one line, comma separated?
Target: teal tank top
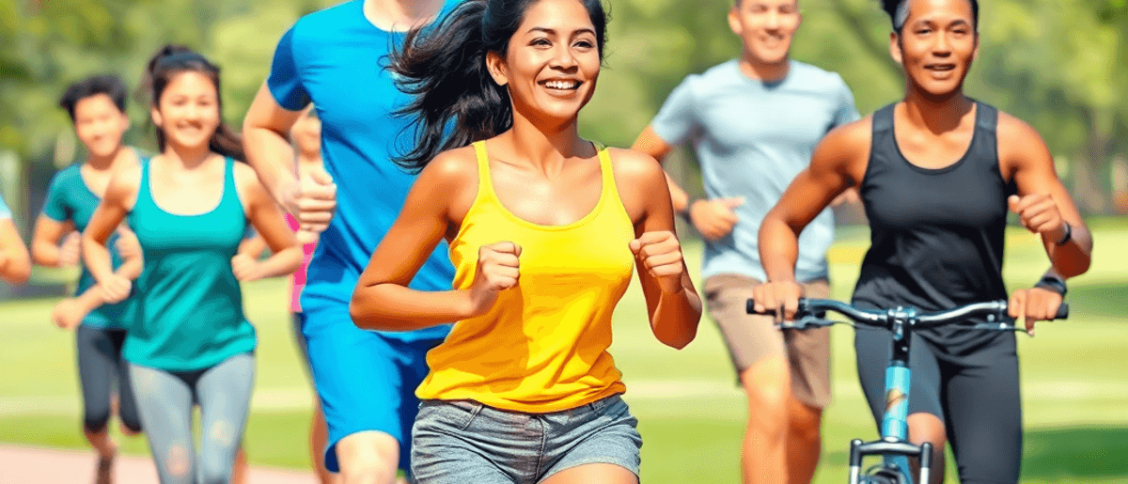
{"x": 69, "y": 198}
{"x": 189, "y": 307}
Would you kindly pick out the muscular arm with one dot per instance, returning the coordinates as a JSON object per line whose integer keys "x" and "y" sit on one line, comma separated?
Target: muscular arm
{"x": 382, "y": 300}
{"x": 1025, "y": 156}
{"x": 650, "y": 143}
{"x": 837, "y": 164}
{"x": 266, "y": 143}
{"x": 15, "y": 265}
{"x": 672, "y": 303}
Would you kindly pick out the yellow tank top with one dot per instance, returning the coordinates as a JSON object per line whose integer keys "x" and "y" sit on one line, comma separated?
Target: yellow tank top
{"x": 543, "y": 346}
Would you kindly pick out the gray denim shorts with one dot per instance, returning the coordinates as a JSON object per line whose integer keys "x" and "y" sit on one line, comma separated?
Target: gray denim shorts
{"x": 463, "y": 442}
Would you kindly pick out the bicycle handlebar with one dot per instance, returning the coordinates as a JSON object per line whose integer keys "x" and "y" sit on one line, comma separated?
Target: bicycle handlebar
{"x": 812, "y": 309}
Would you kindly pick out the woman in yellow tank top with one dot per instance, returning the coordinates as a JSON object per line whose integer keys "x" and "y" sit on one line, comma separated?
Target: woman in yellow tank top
{"x": 544, "y": 228}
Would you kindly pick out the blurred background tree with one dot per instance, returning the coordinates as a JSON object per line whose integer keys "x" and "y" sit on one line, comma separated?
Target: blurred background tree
{"x": 1061, "y": 65}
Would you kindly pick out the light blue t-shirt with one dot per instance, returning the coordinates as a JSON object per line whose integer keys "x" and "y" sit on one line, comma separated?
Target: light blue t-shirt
{"x": 5, "y": 212}
{"x": 70, "y": 199}
{"x": 336, "y": 59}
{"x": 751, "y": 139}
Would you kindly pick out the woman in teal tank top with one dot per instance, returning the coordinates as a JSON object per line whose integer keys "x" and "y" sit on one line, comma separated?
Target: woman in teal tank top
{"x": 189, "y": 342}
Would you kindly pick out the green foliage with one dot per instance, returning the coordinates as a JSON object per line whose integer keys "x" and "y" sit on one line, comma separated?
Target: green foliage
{"x": 1061, "y": 65}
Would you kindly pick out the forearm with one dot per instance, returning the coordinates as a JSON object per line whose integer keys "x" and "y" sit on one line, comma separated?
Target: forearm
{"x": 1073, "y": 257}
{"x": 97, "y": 258}
{"x": 92, "y": 298}
{"x": 392, "y": 307}
{"x": 272, "y": 157}
{"x": 283, "y": 262}
{"x": 675, "y": 316}
{"x": 678, "y": 196}
{"x": 131, "y": 268}
{"x": 45, "y": 253}
{"x": 14, "y": 266}
{"x": 779, "y": 249}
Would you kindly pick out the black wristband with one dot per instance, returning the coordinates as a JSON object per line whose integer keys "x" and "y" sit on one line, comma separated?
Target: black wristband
{"x": 1052, "y": 283}
{"x": 685, "y": 214}
{"x": 1068, "y": 234}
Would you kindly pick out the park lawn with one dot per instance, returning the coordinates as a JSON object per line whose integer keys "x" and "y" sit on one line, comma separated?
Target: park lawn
{"x": 690, "y": 410}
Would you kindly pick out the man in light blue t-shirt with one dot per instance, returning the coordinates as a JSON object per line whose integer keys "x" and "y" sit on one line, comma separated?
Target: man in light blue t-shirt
{"x": 753, "y": 123}
{"x": 366, "y": 380}
{"x": 15, "y": 264}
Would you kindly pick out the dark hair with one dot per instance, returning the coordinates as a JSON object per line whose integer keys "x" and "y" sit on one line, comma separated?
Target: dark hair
{"x": 898, "y": 11}
{"x": 107, "y": 84}
{"x": 171, "y": 60}
{"x": 443, "y": 66}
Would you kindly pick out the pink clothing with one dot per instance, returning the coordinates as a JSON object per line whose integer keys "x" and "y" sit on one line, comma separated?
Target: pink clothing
{"x": 299, "y": 277}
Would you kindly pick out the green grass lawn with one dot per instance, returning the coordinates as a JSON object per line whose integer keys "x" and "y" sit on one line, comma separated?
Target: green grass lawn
{"x": 691, "y": 413}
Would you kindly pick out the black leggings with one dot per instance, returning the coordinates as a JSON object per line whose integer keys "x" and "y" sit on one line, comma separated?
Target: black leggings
{"x": 99, "y": 364}
{"x": 975, "y": 393}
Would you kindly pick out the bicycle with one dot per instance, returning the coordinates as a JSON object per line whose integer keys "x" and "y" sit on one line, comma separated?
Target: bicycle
{"x": 894, "y": 447}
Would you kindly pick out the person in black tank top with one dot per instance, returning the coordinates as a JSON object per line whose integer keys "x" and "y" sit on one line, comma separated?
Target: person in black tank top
{"x": 937, "y": 173}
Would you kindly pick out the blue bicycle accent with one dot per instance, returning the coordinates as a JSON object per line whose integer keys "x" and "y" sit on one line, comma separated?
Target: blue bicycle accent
{"x": 894, "y": 447}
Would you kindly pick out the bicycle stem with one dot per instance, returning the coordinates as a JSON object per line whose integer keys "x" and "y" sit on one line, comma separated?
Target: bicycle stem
{"x": 894, "y": 423}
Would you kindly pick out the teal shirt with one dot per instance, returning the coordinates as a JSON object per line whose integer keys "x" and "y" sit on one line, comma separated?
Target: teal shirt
{"x": 70, "y": 199}
{"x": 189, "y": 304}
{"x": 752, "y": 138}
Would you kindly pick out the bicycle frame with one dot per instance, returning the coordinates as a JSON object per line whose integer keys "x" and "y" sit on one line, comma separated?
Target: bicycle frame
{"x": 894, "y": 445}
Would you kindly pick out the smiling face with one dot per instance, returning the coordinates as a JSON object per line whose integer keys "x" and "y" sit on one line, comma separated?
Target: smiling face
{"x": 99, "y": 124}
{"x": 551, "y": 63}
{"x": 766, "y": 28}
{"x": 937, "y": 44}
{"x": 188, "y": 110}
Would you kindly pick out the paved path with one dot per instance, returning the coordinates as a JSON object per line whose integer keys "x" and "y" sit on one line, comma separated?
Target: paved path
{"x": 35, "y": 465}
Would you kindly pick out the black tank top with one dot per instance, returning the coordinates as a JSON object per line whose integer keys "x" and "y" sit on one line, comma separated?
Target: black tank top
{"x": 936, "y": 234}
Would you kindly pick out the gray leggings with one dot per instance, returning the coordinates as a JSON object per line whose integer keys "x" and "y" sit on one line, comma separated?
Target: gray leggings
{"x": 165, "y": 400}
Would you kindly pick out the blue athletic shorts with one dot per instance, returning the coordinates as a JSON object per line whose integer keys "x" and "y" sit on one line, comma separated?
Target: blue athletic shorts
{"x": 366, "y": 380}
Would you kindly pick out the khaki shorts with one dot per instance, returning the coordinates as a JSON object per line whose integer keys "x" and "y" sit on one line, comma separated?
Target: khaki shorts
{"x": 751, "y": 337}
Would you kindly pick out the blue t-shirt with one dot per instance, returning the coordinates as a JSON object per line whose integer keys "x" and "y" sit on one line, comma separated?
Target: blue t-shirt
{"x": 5, "y": 212}
{"x": 752, "y": 138}
{"x": 336, "y": 59}
{"x": 70, "y": 199}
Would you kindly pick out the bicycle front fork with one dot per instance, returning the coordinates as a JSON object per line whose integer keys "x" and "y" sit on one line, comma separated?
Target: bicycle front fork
{"x": 896, "y": 454}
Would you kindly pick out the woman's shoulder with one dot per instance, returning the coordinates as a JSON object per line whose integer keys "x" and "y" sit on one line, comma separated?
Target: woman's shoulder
{"x": 632, "y": 165}
{"x": 456, "y": 166}
{"x": 124, "y": 184}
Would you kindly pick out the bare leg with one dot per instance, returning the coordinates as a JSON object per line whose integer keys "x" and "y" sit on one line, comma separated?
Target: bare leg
{"x": 803, "y": 443}
{"x": 925, "y": 427}
{"x": 767, "y": 383}
{"x": 239, "y": 470}
{"x": 593, "y": 474}
{"x": 368, "y": 457}
{"x": 107, "y": 450}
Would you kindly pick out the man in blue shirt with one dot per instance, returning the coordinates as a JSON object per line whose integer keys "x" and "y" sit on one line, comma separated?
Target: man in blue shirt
{"x": 335, "y": 59}
{"x": 753, "y": 123}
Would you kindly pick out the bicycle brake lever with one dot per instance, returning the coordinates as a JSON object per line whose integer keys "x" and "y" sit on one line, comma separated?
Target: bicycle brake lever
{"x": 807, "y": 321}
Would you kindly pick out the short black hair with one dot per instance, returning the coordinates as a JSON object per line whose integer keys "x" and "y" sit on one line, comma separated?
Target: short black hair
{"x": 898, "y": 11}
{"x": 107, "y": 84}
